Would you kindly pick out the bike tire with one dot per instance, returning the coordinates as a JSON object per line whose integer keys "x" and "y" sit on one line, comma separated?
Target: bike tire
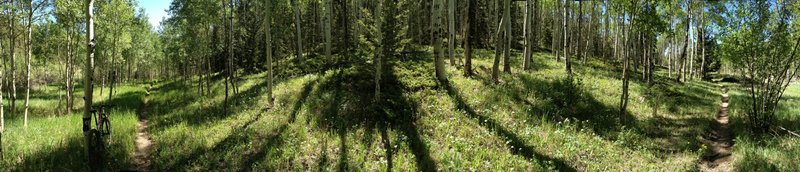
{"x": 97, "y": 150}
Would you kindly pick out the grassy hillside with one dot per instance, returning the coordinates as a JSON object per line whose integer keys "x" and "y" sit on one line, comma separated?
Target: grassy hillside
{"x": 534, "y": 120}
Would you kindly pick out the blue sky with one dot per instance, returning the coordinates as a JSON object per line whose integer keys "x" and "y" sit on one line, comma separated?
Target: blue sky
{"x": 156, "y": 10}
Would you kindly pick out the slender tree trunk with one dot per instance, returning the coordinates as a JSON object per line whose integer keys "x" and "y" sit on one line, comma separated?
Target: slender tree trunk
{"x": 618, "y": 35}
{"x": 328, "y": 16}
{"x": 232, "y": 62}
{"x": 606, "y": 22}
{"x": 208, "y": 63}
{"x": 2, "y": 82}
{"x": 641, "y": 49}
{"x": 13, "y": 72}
{"x": 112, "y": 76}
{"x": 625, "y": 78}
{"x": 526, "y": 34}
{"x": 626, "y": 66}
{"x": 579, "y": 38}
{"x": 554, "y": 46}
{"x": 468, "y": 36}
{"x": 507, "y": 36}
{"x": 451, "y": 14}
{"x": 268, "y": 34}
{"x": 102, "y": 77}
{"x": 589, "y": 38}
{"x": 344, "y": 17}
{"x": 227, "y": 60}
{"x": 298, "y": 36}
{"x": 702, "y": 43}
{"x": 358, "y": 17}
{"x": 566, "y": 39}
{"x": 437, "y": 47}
{"x": 71, "y": 70}
{"x": 692, "y": 50}
{"x": 318, "y": 24}
{"x": 498, "y": 50}
{"x": 89, "y": 68}
{"x": 671, "y": 50}
{"x": 681, "y": 74}
{"x": 28, "y": 62}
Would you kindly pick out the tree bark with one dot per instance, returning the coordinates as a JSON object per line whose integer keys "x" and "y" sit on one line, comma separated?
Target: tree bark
{"x": 28, "y": 62}
{"x": 681, "y": 74}
{"x": 590, "y": 38}
{"x": 327, "y": 23}
{"x": 702, "y": 35}
{"x": 692, "y": 50}
{"x": 88, "y": 71}
{"x": 231, "y": 58}
{"x": 554, "y": 27}
{"x": 498, "y": 50}
{"x": 451, "y": 40}
{"x": 2, "y": 82}
{"x": 13, "y": 73}
{"x": 468, "y": 36}
{"x": 579, "y": 38}
{"x": 298, "y": 36}
{"x": 112, "y": 76}
{"x": 606, "y": 22}
{"x": 437, "y": 47}
{"x": 70, "y": 70}
{"x": 507, "y": 36}
{"x": 566, "y": 39}
{"x": 526, "y": 34}
{"x": 268, "y": 34}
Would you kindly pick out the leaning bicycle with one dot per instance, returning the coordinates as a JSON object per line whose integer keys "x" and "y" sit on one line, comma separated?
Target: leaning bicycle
{"x": 97, "y": 134}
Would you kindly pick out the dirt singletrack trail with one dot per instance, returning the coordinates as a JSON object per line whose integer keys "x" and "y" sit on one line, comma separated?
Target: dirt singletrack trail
{"x": 143, "y": 142}
{"x": 718, "y": 140}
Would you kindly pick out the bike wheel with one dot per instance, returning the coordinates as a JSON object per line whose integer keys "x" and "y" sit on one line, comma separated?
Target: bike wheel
{"x": 97, "y": 150}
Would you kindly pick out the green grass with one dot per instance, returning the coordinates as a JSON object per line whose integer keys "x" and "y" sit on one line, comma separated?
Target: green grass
{"x": 534, "y": 120}
{"x": 56, "y": 142}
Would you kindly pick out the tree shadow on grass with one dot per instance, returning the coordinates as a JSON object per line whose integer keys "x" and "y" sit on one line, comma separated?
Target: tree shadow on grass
{"x": 345, "y": 102}
{"x": 564, "y": 98}
{"x": 262, "y": 145}
{"x": 674, "y": 135}
{"x": 177, "y": 112}
{"x": 517, "y": 145}
{"x": 70, "y": 154}
{"x": 126, "y": 101}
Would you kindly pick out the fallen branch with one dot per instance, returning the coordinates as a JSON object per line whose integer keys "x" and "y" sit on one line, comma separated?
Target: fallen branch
{"x": 789, "y": 131}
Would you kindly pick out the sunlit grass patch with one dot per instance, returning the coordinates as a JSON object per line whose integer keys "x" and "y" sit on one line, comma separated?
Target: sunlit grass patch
{"x": 56, "y": 142}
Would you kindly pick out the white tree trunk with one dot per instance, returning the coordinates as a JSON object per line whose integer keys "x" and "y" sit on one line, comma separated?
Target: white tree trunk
{"x": 88, "y": 81}
{"x": 28, "y": 62}
{"x": 437, "y": 36}
{"x": 526, "y": 34}
{"x": 451, "y": 40}
{"x": 13, "y": 72}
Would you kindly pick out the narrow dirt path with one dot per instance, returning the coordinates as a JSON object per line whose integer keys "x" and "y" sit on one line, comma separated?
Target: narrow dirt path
{"x": 718, "y": 140}
{"x": 143, "y": 142}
